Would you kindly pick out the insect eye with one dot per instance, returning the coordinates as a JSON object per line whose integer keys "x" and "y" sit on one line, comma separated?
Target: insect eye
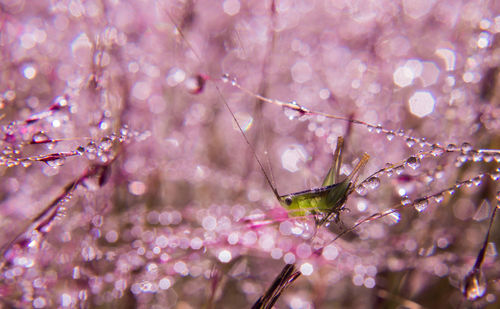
{"x": 288, "y": 201}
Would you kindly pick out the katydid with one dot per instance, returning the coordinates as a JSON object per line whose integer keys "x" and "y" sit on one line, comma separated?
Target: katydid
{"x": 330, "y": 198}
{"x": 325, "y": 201}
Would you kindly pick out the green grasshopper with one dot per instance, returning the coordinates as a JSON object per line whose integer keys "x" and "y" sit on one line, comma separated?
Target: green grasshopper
{"x": 326, "y": 201}
{"x": 329, "y": 199}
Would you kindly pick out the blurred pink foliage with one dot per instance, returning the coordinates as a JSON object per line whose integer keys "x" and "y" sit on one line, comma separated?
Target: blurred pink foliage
{"x": 125, "y": 183}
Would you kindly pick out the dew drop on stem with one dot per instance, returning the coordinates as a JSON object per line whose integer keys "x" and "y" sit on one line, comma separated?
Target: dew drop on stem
{"x": 405, "y": 200}
{"x": 413, "y": 162}
{"x": 361, "y": 189}
{"x": 466, "y": 147}
{"x": 477, "y": 156}
{"x": 291, "y": 113}
{"x": 26, "y": 163}
{"x": 56, "y": 162}
{"x": 389, "y": 170}
{"x": 477, "y": 180}
{"x": 105, "y": 144}
{"x": 410, "y": 142}
{"x": 372, "y": 183}
{"x": 90, "y": 151}
{"x": 399, "y": 169}
{"x": 422, "y": 142}
{"x": 451, "y": 147}
{"x": 80, "y": 150}
{"x": 495, "y": 175}
{"x": 40, "y": 137}
{"x": 437, "y": 150}
{"x": 421, "y": 204}
{"x": 474, "y": 285}
{"x": 439, "y": 198}
{"x": 389, "y": 135}
{"x": 124, "y": 130}
{"x": 487, "y": 157}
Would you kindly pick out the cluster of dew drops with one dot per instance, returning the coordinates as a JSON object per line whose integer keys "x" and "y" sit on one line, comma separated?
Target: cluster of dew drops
{"x": 94, "y": 151}
{"x": 466, "y": 154}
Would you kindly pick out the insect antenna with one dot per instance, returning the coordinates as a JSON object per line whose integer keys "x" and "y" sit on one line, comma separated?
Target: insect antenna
{"x": 273, "y": 188}
{"x": 275, "y": 191}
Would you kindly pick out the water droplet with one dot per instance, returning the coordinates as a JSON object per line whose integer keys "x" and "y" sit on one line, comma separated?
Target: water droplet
{"x": 495, "y": 175}
{"x": 405, "y": 200}
{"x": 439, "y": 198}
{"x": 56, "y": 162}
{"x": 59, "y": 102}
{"x": 12, "y": 163}
{"x": 487, "y": 157}
{"x": 225, "y": 78}
{"x": 8, "y": 151}
{"x": 399, "y": 169}
{"x": 451, "y": 191}
{"x": 26, "y": 163}
{"x": 477, "y": 180}
{"x": 468, "y": 183}
{"x": 497, "y": 157}
{"x": 91, "y": 147}
{"x": 477, "y": 156}
{"x": 40, "y": 137}
{"x": 451, "y": 147}
{"x": 389, "y": 169}
{"x": 90, "y": 151}
{"x": 401, "y": 132}
{"x": 370, "y": 128}
{"x": 378, "y": 129}
{"x": 291, "y": 112}
{"x": 422, "y": 142}
{"x": 437, "y": 150}
{"x": 124, "y": 130}
{"x": 390, "y": 135}
{"x": 80, "y": 150}
{"x": 421, "y": 204}
{"x": 410, "y": 142}
{"x": 105, "y": 144}
{"x": 361, "y": 189}
{"x": 195, "y": 84}
{"x": 372, "y": 183}
{"x": 413, "y": 162}
{"x": 474, "y": 285}
{"x": 234, "y": 82}
{"x": 466, "y": 147}
{"x": 463, "y": 158}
